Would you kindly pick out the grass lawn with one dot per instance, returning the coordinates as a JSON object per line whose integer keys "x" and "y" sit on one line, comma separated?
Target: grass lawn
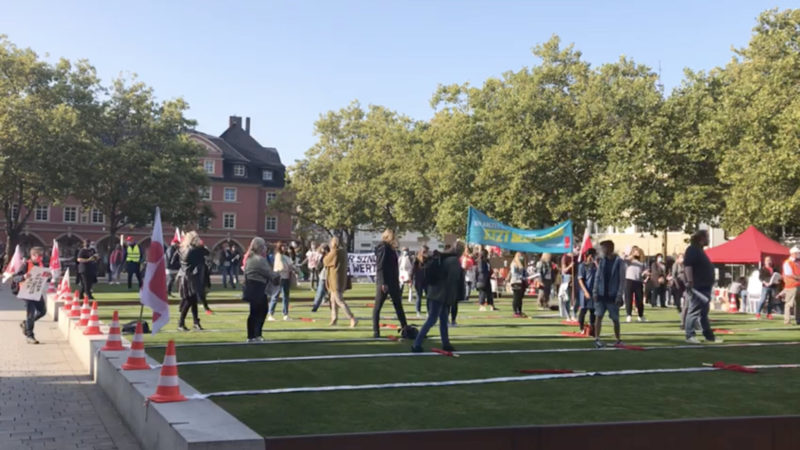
{"x": 591, "y": 399}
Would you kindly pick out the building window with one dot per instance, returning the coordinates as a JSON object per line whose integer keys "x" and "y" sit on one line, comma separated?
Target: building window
{"x": 230, "y": 194}
{"x": 41, "y": 214}
{"x": 71, "y": 214}
{"x": 97, "y": 216}
{"x": 205, "y": 193}
{"x": 208, "y": 166}
{"x": 271, "y": 224}
{"x": 266, "y": 175}
{"x": 271, "y": 196}
{"x": 238, "y": 170}
{"x": 229, "y": 221}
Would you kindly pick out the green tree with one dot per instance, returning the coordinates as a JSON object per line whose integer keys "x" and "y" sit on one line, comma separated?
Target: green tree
{"x": 43, "y": 137}
{"x": 141, "y": 158}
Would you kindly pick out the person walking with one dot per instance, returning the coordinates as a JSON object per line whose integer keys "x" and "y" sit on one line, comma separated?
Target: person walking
{"x": 519, "y": 282}
{"x": 87, "y": 268}
{"x": 322, "y": 288}
{"x": 173, "y": 258}
{"x": 133, "y": 261}
{"x": 336, "y": 264}
{"x": 282, "y": 265}
{"x": 791, "y": 282}
{"x": 546, "y": 278}
{"x": 387, "y": 281}
{"x": 445, "y": 286}
{"x": 634, "y": 285}
{"x": 607, "y": 290}
{"x": 258, "y": 278}
{"x": 565, "y": 288}
{"x": 769, "y": 290}
{"x": 658, "y": 282}
{"x": 34, "y": 309}
{"x": 115, "y": 261}
{"x": 226, "y": 261}
{"x": 468, "y": 264}
{"x": 191, "y": 279}
{"x": 483, "y": 281}
{"x": 236, "y": 261}
{"x": 587, "y": 273}
{"x": 677, "y": 283}
{"x": 418, "y": 279}
{"x": 313, "y": 260}
{"x": 406, "y": 269}
{"x": 699, "y": 283}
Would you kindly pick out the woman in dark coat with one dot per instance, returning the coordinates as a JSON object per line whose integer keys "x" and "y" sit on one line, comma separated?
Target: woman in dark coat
{"x": 191, "y": 279}
{"x": 484, "y": 281}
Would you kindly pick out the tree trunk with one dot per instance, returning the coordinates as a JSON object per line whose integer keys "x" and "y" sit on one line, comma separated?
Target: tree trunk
{"x": 665, "y": 247}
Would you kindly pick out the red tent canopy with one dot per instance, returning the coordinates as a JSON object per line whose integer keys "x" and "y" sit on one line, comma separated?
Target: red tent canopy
{"x": 750, "y": 247}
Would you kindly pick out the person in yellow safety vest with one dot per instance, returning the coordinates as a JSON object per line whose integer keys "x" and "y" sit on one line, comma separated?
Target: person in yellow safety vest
{"x": 133, "y": 261}
{"x": 791, "y": 281}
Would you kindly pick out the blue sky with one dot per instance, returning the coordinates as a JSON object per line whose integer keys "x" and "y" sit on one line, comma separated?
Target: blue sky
{"x": 283, "y": 63}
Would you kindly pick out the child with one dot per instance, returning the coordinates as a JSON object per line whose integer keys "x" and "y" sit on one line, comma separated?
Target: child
{"x": 735, "y": 291}
{"x": 35, "y": 308}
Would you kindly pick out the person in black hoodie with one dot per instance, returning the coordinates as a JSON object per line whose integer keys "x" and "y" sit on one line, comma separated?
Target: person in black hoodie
{"x": 445, "y": 287}
{"x": 191, "y": 278}
{"x": 387, "y": 281}
{"x": 173, "y": 264}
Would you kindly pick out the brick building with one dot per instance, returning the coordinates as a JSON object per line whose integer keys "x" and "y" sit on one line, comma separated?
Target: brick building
{"x": 244, "y": 177}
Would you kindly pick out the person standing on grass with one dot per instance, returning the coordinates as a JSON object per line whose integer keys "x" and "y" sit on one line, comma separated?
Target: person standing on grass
{"x": 587, "y": 273}
{"x": 133, "y": 261}
{"x": 658, "y": 282}
{"x": 518, "y": 284}
{"x": 322, "y": 288}
{"x": 173, "y": 258}
{"x": 226, "y": 260}
{"x": 483, "y": 281}
{"x": 406, "y": 268}
{"x": 445, "y": 286}
{"x": 791, "y": 281}
{"x": 191, "y": 278}
{"x": 336, "y": 264}
{"x": 607, "y": 290}
{"x": 769, "y": 288}
{"x": 546, "y": 278}
{"x": 35, "y": 309}
{"x": 258, "y": 279}
{"x": 677, "y": 282}
{"x": 699, "y": 282}
{"x": 282, "y": 265}
{"x": 115, "y": 260}
{"x": 468, "y": 264}
{"x": 565, "y": 287}
{"x": 418, "y": 279}
{"x": 313, "y": 259}
{"x": 87, "y": 268}
{"x": 387, "y": 281}
{"x": 634, "y": 286}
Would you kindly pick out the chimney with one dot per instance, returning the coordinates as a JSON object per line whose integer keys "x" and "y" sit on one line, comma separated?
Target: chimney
{"x": 247, "y": 125}
{"x": 235, "y": 121}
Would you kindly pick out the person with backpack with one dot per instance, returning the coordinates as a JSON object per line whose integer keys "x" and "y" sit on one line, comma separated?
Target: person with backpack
{"x": 484, "y": 282}
{"x": 446, "y": 286}
{"x": 387, "y": 281}
{"x": 173, "y": 258}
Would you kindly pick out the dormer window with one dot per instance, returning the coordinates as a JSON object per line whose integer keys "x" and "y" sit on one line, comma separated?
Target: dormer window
{"x": 238, "y": 170}
{"x": 266, "y": 175}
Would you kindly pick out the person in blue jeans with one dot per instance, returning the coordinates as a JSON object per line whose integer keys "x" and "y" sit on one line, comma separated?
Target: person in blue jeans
{"x": 446, "y": 286}
{"x": 607, "y": 290}
{"x": 699, "y": 280}
{"x": 322, "y": 289}
{"x": 769, "y": 290}
{"x": 282, "y": 265}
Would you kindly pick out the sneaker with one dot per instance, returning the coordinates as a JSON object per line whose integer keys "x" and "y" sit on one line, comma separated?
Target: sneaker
{"x": 598, "y": 343}
{"x": 495, "y": 309}
{"x": 448, "y": 348}
{"x": 619, "y": 344}
{"x": 758, "y": 316}
{"x": 182, "y": 328}
{"x": 250, "y": 340}
{"x": 453, "y": 324}
{"x": 769, "y": 316}
{"x": 353, "y": 322}
{"x": 716, "y": 341}
{"x": 628, "y": 319}
{"x": 270, "y": 318}
{"x": 286, "y": 318}
{"x": 209, "y": 312}
{"x": 419, "y": 314}
{"x": 22, "y": 326}
{"x": 482, "y": 308}
{"x": 416, "y": 349}
{"x": 197, "y": 327}
{"x": 259, "y": 339}
{"x": 32, "y": 340}
{"x": 642, "y": 319}
{"x": 692, "y": 340}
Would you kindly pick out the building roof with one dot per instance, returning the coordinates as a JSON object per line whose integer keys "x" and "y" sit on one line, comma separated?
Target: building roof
{"x": 241, "y": 140}
{"x": 750, "y": 247}
{"x": 228, "y": 153}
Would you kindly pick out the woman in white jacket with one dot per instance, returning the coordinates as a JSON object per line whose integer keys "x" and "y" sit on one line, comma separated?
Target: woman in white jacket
{"x": 281, "y": 264}
{"x": 406, "y": 269}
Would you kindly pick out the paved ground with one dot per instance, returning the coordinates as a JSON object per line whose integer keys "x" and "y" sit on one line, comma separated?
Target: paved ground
{"x": 46, "y": 400}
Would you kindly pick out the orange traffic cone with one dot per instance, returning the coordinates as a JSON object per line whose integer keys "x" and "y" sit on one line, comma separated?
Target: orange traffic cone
{"x": 66, "y": 297}
{"x": 76, "y": 306}
{"x": 85, "y": 312}
{"x": 168, "y": 389}
{"x": 136, "y": 359}
{"x": 114, "y": 341}
{"x": 94, "y": 323}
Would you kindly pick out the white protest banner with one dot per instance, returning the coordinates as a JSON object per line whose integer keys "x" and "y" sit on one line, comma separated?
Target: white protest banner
{"x": 35, "y": 286}
{"x": 362, "y": 264}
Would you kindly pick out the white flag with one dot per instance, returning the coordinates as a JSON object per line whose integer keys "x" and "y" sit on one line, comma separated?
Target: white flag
{"x": 154, "y": 289}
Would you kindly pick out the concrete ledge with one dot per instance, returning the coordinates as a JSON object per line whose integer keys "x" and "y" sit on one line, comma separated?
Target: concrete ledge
{"x": 53, "y": 307}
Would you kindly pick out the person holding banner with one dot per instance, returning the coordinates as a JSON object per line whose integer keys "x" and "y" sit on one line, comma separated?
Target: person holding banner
{"x": 35, "y": 309}
{"x": 387, "y": 281}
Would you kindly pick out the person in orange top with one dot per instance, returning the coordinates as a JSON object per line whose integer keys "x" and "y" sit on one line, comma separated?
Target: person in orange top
{"x": 35, "y": 309}
{"x": 791, "y": 280}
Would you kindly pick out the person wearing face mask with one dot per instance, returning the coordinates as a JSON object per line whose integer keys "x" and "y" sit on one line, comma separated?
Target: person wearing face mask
{"x": 791, "y": 280}
{"x": 658, "y": 282}
{"x": 35, "y": 309}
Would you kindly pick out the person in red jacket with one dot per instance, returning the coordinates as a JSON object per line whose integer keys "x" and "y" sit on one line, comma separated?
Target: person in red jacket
{"x": 35, "y": 308}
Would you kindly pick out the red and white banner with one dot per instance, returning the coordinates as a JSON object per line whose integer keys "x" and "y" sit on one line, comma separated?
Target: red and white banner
{"x": 13, "y": 265}
{"x": 154, "y": 289}
{"x": 55, "y": 261}
{"x": 587, "y": 242}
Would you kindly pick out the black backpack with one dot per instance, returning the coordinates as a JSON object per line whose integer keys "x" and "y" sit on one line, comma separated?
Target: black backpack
{"x": 130, "y": 327}
{"x": 434, "y": 269}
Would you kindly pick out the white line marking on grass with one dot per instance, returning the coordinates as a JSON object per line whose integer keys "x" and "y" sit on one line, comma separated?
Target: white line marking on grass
{"x": 209, "y": 362}
{"x": 418, "y": 384}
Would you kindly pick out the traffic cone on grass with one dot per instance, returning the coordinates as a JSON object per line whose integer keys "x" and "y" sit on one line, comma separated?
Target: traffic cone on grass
{"x": 136, "y": 359}
{"x": 114, "y": 341}
{"x": 94, "y": 323}
{"x": 168, "y": 389}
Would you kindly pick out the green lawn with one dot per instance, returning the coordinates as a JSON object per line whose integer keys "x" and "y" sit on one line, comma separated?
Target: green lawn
{"x": 638, "y": 397}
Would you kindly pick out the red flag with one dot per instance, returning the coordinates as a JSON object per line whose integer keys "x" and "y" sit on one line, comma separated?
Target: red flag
{"x": 177, "y": 237}
{"x": 55, "y": 262}
{"x": 586, "y": 244}
{"x": 14, "y": 265}
{"x": 154, "y": 289}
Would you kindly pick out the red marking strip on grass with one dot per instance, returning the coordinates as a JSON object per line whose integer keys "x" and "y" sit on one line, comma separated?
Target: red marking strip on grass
{"x": 723, "y": 331}
{"x": 389, "y": 325}
{"x": 569, "y": 322}
{"x": 442, "y": 352}
{"x": 629, "y": 347}
{"x": 391, "y": 338}
{"x": 306, "y": 319}
{"x": 574, "y": 334}
{"x": 733, "y": 367}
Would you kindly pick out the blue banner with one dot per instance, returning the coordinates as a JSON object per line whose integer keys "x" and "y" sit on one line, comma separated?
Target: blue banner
{"x": 481, "y": 229}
